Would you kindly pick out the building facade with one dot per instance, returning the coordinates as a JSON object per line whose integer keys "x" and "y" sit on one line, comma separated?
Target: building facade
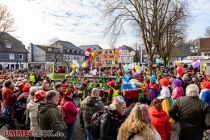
{"x": 13, "y": 54}
{"x": 60, "y": 51}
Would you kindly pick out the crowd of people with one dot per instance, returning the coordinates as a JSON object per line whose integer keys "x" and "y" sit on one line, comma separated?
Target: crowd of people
{"x": 166, "y": 98}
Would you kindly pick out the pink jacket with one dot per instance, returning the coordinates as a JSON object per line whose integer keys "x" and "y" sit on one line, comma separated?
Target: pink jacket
{"x": 70, "y": 110}
{"x": 177, "y": 92}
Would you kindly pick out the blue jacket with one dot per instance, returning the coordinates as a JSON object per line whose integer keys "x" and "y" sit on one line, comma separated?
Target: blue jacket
{"x": 205, "y": 95}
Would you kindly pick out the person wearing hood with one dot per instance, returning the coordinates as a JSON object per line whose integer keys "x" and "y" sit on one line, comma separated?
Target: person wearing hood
{"x": 177, "y": 89}
{"x": 89, "y": 106}
{"x": 160, "y": 120}
{"x": 205, "y": 92}
{"x": 71, "y": 112}
{"x": 165, "y": 95}
{"x": 49, "y": 117}
{"x": 32, "y": 108}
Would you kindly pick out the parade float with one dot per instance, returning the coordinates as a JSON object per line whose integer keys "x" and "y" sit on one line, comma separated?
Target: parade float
{"x": 56, "y": 70}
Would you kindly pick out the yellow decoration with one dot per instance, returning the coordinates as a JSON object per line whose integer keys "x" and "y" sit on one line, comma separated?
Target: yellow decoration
{"x": 137, "y": 67}
{"x": 93, "y": 54}
{"x": 84, "y": 64}
{"x": 32, "y": 78}
{"x": 73, "y": 66}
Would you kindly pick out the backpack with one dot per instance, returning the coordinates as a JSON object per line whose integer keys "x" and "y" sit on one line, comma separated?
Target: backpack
{"x": 95, "y": 123}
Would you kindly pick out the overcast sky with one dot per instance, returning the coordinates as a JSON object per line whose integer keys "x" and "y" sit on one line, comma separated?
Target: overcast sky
{"x": 81, "y": 21}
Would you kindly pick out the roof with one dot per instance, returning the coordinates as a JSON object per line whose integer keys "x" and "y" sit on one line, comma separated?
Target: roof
{"x": 90, "y": 46}
{"x": 204, "y": 44}
{"x": 124, "y": 47}
{"x": 42, "y": 47}
{"x": 16, "y": 46}
{"x": 66, "y": 45}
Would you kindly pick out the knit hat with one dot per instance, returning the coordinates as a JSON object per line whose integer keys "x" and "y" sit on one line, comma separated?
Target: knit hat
{"x": 205, "y": 85}
{"x": 152, "y": 79}
{"x": 26, "y": 88}
{"x": 39, "y": 95}
{"x": 164, "y": 82}
{"x": 177, "y": 82}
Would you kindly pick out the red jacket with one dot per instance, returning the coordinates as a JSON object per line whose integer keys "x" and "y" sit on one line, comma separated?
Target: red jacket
{"x": 70, "y": 110}
{"x": 9, "y": 98}
{"x": 161, "y": 122}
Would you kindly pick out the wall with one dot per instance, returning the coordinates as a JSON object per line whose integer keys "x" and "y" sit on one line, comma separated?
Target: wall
{"x": 4, "y": 57}
{"x": 39, "y": 55}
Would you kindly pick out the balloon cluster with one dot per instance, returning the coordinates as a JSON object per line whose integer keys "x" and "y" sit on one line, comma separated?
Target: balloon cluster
{"x": 89, "y": 55}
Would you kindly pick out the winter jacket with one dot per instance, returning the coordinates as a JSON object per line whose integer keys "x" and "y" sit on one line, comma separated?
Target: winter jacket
{"x": 89, "y": 106}
{"x": 70, "y": 110}
{"x": 177, "y": 92}
{"x": 49, "y": 118}
{"x": 109, "y": 125}
{"x": 9, "y": 98}
{"x": 205, "y": 95}
{"x": 190, "y": 113}
{"x": 161, "y": 122}
{"x": 32, "y": 108}
{"x": 22, "y": 98}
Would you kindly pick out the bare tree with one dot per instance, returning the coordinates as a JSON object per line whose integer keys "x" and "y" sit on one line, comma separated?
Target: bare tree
{"x": 6, "y": 20}
{"x": 53, "y": 40}
{"x": 152, "y": 19}
{"x": 207, "y": 34}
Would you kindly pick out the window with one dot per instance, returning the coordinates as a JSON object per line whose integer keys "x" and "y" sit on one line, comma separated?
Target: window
{"x": 55, "y": 50}
{"x": 61, "y": 50}
{"x": 8, "y": 45}
{"x": 20, "y": 56}
{"x": 11, "y": 56}
{"x": 49, "y": 49}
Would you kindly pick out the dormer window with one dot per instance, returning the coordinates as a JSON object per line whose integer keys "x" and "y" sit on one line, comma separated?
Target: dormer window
{"x": 8, "y": 45}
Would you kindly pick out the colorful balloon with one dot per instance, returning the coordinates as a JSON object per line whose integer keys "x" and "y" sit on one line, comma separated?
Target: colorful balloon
{"x": 195, "y": 64}
{"x": 87, "y": 53}
{"x": 137, "y": 67}
{"x": 125, "y": 67}
{"x": 93, "y": 49}
{"x": 84, "y": 64}
{"x": 73, "y": 66}
{"x": 93, "y": 54}
{"x": 88, "y": 49}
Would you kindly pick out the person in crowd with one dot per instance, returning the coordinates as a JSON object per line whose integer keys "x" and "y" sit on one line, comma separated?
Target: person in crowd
{"x": 21, "y": 105}
{"x": 8, "y": 98}
{"x": 59, "y": 88}
{"x": 165, "y": 95}
{"x": 89, "y": 106}
{"x": 152, "y": 89}
{"x": 113, "y": 91}
{"x": 190, "y": 112}
{"x": 32, "y": 108}
{"x": 185, "y": 82}
{"x": 45, "y": 86}
{"x": 49, "y": 117}
{"x": 160, "y": 119}
{"x": 138, "y": 125}
{"x": 71, "y": 112}
{"x": 112, "y": 119}
{"x": 205, "y": 92}
{"x": 177, "y": 89}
